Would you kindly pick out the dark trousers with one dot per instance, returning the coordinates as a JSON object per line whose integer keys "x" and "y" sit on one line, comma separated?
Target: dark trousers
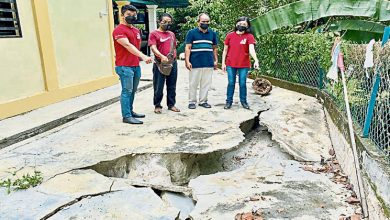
{"x": 158, "y": 85}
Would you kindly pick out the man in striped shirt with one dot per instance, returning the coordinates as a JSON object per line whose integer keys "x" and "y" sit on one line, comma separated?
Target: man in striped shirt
{"x": 201, "y": 58}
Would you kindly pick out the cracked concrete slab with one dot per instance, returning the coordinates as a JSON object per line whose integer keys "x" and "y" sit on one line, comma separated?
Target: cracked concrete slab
{"x": 263, "y": 177}
{"x": 297, "y": 123}
{"x": 137, "y": 203}
{"x": 35, "y": 203}
{"x": 183, "y": 203}
{"x": 76, "y": 189}
{"x": 29, "y": 204}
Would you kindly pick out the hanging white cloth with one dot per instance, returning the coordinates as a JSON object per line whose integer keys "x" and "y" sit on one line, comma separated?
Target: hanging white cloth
{"x": 333, "y": 70}
{"x": 369, "y": 61}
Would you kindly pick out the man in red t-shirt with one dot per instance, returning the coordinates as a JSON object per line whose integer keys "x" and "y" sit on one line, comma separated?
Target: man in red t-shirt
{"x": 127, "y": 41}
{"x": 160, "y": 42}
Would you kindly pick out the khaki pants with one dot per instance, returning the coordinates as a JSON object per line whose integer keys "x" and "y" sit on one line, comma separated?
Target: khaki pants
{"x": 202, "y": 77}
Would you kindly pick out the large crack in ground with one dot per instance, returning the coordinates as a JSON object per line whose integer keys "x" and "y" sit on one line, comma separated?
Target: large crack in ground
{"x": 171, "y": 172}
{"x": 172, "y": 168}
{"x": 64, "y": 206}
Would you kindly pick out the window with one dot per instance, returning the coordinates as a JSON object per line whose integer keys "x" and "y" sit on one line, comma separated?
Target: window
{"x": 9, "y": 19}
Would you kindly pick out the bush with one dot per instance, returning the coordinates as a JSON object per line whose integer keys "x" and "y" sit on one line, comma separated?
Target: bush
{"x": 294, "y": 57}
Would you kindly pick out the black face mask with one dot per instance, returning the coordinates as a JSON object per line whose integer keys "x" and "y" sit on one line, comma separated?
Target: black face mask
{"x": 131, "y": 19}
{"x": 241, "y": 28}
{"x": 204, "y": 26}
{"x": 166, "y": 27}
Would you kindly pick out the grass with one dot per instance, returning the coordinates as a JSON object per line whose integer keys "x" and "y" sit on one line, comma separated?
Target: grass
{"x": 25, "y": 182}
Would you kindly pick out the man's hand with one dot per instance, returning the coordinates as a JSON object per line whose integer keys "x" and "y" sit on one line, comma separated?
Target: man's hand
{"x": 224, "y": 67}
{"x": 189, "y": 66}
{"x": 256, "y": 64}
{"x": 147, "y": 59}
{"x": 215, "y": 65}
{"x": 164, "y": 59}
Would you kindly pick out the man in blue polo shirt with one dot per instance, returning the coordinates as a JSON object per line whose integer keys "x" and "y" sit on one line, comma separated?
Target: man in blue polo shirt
{"x": 201, "y": 57}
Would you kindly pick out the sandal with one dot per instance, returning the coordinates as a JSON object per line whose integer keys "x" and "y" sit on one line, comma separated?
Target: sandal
{"x": 174, "y": 109}
{"x": 158, "y": 110}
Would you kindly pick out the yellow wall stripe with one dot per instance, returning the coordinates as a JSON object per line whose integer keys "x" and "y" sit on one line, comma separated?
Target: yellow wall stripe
{"x": 46, "y": 46}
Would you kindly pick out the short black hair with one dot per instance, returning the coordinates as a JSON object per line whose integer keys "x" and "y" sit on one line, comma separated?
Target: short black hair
{"x": 248, "y": 30}
{"x": 164, "y": 15}
{"x": 128, "y": 8}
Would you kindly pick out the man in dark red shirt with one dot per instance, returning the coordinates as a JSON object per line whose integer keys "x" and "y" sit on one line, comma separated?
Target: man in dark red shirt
{"x": 160, "y": 42}
{"x": 127, "y": 41}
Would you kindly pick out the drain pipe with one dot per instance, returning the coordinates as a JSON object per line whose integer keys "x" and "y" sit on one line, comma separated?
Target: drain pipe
{"x": 362, "y": 194}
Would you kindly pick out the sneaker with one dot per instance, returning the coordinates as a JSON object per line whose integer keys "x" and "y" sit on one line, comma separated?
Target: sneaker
{"x": 192, "y": 106}
{"x": 245, "y": 105}
{"x": 205, "y": 105}
{"x": 131, "y": 120}
{"x": 228, "y": 106}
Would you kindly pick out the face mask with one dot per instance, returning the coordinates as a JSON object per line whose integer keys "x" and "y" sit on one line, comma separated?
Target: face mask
{"x": 241, "y": 28}
{"x": 204, "y": 26}
{"x": 166, "y": 27}
{"x": 131, "y": 19}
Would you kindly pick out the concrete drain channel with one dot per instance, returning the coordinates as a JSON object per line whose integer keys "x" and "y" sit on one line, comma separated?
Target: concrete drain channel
{"x": 171, "y": 172}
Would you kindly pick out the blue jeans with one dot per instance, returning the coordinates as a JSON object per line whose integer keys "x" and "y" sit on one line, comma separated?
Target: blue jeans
{"x": 129, "y": 77}
{"x": 158, "y": 86}
{"x": 242, "y": 75}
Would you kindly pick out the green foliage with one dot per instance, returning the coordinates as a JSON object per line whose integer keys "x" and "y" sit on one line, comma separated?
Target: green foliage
{"x": 279, "y": 54}
{"x": 7, "y": 184}
{"x": 355, "y": 30}
{"x": 296, "y": 13}
{"x": 25, "y": 182}
{"x": 357, "y": 25}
